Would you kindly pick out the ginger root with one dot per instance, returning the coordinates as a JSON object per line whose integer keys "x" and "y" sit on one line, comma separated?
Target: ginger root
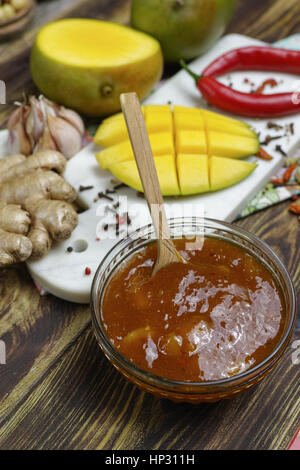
{"x": 35, "y": 205}
{"x": 14, "y": 225}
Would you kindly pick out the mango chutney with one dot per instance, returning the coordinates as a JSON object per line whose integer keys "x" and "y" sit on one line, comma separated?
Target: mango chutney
{"x": 212, "y": 318}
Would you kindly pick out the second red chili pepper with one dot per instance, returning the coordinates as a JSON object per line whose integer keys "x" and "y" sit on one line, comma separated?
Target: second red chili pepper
{"x": 246, "y": 104}
{"x": 255, "y": 58}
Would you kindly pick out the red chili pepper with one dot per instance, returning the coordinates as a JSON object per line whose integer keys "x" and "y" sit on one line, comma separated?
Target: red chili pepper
{"x": 288, "y": 172}
{"x": 295, "y": 207}
{"x": 263, "y": 154}
{"x": 246, "y": 104}
{"x": 255, "y": 58}
{"x": 278, "y": 181}
{"x": 270, "y": 81}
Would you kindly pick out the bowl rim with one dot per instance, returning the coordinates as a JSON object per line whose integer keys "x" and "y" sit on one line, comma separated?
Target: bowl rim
{"x": 157, "y": 380}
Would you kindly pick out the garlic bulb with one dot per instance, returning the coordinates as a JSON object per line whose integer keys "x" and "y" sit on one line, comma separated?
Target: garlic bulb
{"x": 41, "y": 124}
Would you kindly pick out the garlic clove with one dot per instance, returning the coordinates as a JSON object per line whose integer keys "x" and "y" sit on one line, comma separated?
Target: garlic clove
{"x": 35, "y": 120}
{"x": 46, "y": 142}
{"x": 14, "y": 118}
{"x": 72, "y": 118}
{"x": 43, "y": 124}
{"x": 67, "y": 138}
{"x": 18, "y": 139}
{"x": 50, "y": 106}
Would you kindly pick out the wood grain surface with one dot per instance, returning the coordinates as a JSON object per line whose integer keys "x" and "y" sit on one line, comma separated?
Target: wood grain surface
{"x": 58, "y": 391}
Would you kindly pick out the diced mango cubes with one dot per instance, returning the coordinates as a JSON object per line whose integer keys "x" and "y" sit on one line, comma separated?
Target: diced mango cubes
{"x": 193, "y": 173}
{"x": 195, "y": 150}
{"x": 166, "y": 172}
{"x": 161, "y": 143}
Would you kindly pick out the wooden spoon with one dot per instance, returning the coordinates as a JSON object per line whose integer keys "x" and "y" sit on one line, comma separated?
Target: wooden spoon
{"x": 138, "y": 135}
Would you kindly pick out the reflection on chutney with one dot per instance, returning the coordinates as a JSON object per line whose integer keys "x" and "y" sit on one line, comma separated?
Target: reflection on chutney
{"x": 212, "y": 318}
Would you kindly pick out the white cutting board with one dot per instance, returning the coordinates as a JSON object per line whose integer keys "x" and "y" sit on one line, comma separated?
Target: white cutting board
{"x": 62, "y": 273}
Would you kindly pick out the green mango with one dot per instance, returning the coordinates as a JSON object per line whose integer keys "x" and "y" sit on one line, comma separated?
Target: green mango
{"x": 184, "y": 28}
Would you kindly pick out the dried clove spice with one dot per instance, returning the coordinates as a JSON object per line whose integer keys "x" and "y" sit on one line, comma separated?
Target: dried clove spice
{"x": 269, "y": 138}
{"x": 105, "y": 196}
{"x": 274, "y": 125}
{"x": 85, "y": 188}
{"x": 279, "y": 149}
{"x": 119, "y": 186}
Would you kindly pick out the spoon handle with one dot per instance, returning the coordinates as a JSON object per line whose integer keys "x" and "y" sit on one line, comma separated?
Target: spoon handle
{"x": 144, "y": 159}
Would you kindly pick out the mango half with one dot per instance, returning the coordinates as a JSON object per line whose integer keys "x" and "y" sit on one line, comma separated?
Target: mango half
{"x": 86, "y": 64}
{"x": 195, "y": 151}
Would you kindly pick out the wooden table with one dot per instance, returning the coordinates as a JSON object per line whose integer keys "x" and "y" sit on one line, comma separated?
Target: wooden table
{"x": 58, "y": 391}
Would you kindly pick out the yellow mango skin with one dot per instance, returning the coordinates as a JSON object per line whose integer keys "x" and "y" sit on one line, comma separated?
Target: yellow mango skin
{"x": 127, "y": 172}
{"x": 161, "y": 143}
{"x": 225, "y": 172}
{"x": 86, "y": 64}
{"x": 231, "y": 146}
{"x": 193, "y": 173}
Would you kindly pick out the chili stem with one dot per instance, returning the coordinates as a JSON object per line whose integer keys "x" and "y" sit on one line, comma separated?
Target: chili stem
{"x": 189, "y": 71}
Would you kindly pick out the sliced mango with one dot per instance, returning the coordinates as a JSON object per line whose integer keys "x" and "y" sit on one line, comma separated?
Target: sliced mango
{"x": 193, "y": 173}
{"x": 211, "y": 114}
{"x": 113, "y": 129}
{"x": 186, "y": 109}
{"x": 161, "y": 144}
{"x": 231, "y": 146}
{"x": 195, "y": 150}
{"x": 158, "y": 108}
{"x": 227, "y": 127}
{"x": 191, "y": 142}
{"x": 127, "y": 172}
{"x": 157, "y": 121}
{"x": 225, "y": 172}
{"x": 187, "y": 121}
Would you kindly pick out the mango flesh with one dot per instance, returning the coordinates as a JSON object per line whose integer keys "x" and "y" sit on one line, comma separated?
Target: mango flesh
{"x": 190, "y": 159}
{"x": 184, "y": 28}
{"x": 193, "y": 173}
{"x": 86, "y": 64}
{"x": 166, "y": 172}
{"x": 231, "y": 146}
{"x": 196, "y": 173}
{"x": 158, "y": 119}
{"x": 225, "y": 172}
{"x": 161, "y": 144}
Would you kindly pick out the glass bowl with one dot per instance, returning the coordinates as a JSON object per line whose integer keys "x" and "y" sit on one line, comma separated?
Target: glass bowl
{"x": 193, "y": 392}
